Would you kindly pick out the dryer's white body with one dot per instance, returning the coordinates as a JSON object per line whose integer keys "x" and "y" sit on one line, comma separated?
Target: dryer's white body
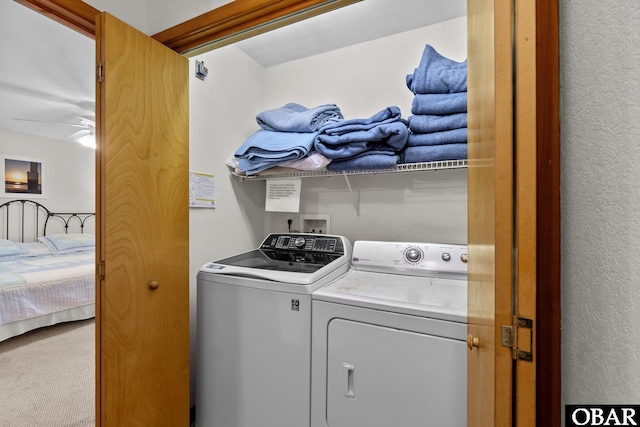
{"x": 389, "y": 349}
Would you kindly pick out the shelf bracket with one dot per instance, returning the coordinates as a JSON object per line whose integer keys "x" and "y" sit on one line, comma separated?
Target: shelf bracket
{"x": 346, "y": 178}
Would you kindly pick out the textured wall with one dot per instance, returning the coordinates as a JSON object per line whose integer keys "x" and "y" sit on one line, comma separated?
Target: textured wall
{"x": 600, "y": 108}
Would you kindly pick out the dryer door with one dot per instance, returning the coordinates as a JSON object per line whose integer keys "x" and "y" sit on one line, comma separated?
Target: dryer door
{"x": 379, "y": 376}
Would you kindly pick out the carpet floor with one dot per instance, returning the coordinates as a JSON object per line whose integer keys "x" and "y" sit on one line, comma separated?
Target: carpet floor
{"x": 47, "y": 377}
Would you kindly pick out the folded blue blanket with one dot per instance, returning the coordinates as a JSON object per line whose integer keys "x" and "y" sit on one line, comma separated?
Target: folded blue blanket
{"x": 437, "y": 74}
{"x": 265, "y": 149}
{"x": 348, "y": 138}
{"x": 450, "y": 103}
{"x": 295, "y": 118}
{"x": 371, "y": 160}
{"x": 437, "y": 138}
{"x": 426, "y": 123}
{"x": 434, "y": 153}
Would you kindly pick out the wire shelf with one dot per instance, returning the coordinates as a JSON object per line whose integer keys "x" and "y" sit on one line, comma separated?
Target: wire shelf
{"x": 406, "y": 167}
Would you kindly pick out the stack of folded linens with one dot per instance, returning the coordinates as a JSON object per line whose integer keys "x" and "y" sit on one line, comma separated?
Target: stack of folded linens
{"x": 371, "y": 143}
{"x": 438, "y": 126}
{"x": 285, "y": 138}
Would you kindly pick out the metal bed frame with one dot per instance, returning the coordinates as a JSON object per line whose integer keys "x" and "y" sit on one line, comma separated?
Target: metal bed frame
{"x": 19, "y": 215}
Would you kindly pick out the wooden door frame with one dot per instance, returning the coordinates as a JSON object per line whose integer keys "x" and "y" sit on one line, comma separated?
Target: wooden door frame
{"x": 232, "y": 22}
{"x": 244, "y": 18}
{"x": 548, "y": 261}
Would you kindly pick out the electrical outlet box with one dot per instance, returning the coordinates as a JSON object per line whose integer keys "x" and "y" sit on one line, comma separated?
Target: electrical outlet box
{"x": 201, "y": 70}
{"x": 315, "y": 223}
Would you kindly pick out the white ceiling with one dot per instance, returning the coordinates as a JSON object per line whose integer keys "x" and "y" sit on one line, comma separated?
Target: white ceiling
{"x": 47, "y": 71}
{"x": 353, "y": 24}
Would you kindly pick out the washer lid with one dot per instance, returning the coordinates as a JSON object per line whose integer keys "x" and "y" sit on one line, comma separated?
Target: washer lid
{"x": 299, "y": 259}
{"x": 280, "y": 260}
{"x": 437, "y": 298}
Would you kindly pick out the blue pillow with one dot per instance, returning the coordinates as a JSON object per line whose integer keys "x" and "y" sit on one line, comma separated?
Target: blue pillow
{"x": 9, "y": 248}
{"x": 65, "y": 243}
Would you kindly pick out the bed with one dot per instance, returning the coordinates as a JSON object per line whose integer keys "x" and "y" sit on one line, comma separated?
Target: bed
{"x": 47, "y": 267}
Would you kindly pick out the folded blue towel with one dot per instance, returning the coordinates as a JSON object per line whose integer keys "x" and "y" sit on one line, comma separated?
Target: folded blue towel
{"x": 437, "y": 74}
{"x": 370, "y": 160}
{"x": 295, "y": 118}
{"x": 252, "y": 167}
{"x": 265, "y": 149}
{"x": 450, "y": 103}
{"x": 348, "y": 138}
{"x": 427, "y": 123}
{"x": 434, "y": 153}
{"x": 437, "y": 138}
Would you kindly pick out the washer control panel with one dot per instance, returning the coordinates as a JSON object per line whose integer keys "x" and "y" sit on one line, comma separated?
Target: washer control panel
{"x": 410, "y": 258}
{"x": 302, "y": 242}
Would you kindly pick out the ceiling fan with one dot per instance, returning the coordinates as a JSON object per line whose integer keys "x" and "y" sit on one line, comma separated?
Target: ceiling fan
{"x": 86, "y": 135}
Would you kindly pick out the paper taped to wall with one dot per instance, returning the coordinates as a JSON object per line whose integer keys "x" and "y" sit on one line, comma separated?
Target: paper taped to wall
{"x": 283, "y": 195}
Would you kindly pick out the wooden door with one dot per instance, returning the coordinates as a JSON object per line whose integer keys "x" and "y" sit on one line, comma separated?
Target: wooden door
{"x": 142, "y": 312}
{"x": 514, "y": 212}
{"x": 490, "y": 210}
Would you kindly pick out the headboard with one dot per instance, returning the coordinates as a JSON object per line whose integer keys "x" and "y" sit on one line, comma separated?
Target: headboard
{"x": 26, "y": 220}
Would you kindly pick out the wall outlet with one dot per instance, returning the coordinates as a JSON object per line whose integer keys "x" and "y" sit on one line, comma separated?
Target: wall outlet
{"x": 315, "y": 223}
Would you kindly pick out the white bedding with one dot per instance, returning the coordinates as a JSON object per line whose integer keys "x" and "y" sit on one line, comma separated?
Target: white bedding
{"x": 41, "y": 289}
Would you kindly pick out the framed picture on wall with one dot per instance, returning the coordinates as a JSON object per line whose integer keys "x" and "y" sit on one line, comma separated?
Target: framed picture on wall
{"x": 23, "y": 177}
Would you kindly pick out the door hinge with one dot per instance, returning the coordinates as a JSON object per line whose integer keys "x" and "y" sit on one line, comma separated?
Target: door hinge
{"x": 510, "y": 338}
{"x": 100, "y": 72}
{"x": 100, "y": 270}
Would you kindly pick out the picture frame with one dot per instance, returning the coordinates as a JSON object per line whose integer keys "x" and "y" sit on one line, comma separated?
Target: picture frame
{"x": 23, "y": 177}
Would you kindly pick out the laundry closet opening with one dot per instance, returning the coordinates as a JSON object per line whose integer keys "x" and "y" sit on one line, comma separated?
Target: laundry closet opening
{"x": 303, "y": 64}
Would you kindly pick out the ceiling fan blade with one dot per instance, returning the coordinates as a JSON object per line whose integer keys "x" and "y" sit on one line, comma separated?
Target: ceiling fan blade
{"x": 88, "y": 118}
{"x": 77, "y": 135}
{"x": 51, "y": 123}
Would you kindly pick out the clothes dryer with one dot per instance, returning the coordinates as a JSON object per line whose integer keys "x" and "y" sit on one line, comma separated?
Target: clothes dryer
{"x": 253, "y": 349}
{"x": 389, "y": 338}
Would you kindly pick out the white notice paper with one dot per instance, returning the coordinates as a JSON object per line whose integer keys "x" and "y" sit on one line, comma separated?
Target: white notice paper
{"x": 202, "y": 191}
{"x": 283, "y": 195}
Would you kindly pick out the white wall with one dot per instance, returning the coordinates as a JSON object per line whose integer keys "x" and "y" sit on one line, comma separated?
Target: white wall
{"x": 221, "y": 112}
{"x": 600, "y": 158}
{"x": 367, "y": 77}
{"x": 69, "y": 170}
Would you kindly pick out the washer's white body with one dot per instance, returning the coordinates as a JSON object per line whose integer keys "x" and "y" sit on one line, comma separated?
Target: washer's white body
{"x": 253, "y": 354}
{"x": 389, "y": 342}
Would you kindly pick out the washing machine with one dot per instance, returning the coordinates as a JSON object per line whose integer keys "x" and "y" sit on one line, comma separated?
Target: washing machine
{"x": 389, "y": 339}
{"x": 253, "y": 349}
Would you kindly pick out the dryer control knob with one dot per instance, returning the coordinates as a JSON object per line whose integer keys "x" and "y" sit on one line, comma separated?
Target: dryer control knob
{"x": 413, "y": 254}
{"x": 446, "y": 256}
{"x": 300, "y": 242}
{"x": 464, "y": 257}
